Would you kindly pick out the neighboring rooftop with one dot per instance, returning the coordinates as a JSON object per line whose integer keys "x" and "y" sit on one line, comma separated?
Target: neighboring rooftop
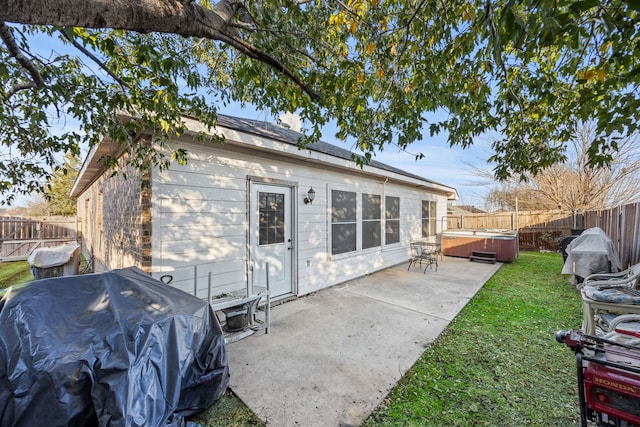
{"x": 463, "y": 210}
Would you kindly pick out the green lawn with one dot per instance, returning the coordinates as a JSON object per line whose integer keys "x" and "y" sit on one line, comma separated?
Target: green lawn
{"x": 497, "y": 364}
{"x": 14, "y": 273}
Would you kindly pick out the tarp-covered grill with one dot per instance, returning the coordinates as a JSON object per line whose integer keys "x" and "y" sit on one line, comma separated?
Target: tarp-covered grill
{"x": 117, "y": 348}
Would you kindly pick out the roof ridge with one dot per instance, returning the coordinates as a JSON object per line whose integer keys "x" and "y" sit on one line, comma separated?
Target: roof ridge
{"x": 289, "y": 136}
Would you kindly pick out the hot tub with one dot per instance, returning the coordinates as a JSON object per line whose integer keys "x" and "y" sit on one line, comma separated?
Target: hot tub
{"x": 462, "y": 243}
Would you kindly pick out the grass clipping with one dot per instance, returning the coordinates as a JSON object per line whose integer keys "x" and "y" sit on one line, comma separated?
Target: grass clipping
{"x": 498, "y": 363}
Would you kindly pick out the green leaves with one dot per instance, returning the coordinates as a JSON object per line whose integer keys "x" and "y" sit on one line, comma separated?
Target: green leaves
{"x": 583, "y": 6}
{"x": 59, "y": 187}
{"x": 527, "y": 71}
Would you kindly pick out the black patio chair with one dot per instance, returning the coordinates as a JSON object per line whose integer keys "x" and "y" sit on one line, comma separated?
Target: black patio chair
{"x": 423, "y": 252}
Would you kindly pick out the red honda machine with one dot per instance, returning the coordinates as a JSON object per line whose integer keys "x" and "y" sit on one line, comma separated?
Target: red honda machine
{"x": 608, "y": 377}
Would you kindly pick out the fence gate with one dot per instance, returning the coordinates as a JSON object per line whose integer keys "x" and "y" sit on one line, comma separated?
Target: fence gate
{"x": 20, "y": 236}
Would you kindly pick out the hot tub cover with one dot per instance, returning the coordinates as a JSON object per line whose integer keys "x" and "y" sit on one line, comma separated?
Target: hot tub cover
{"x": 117, "y": 348}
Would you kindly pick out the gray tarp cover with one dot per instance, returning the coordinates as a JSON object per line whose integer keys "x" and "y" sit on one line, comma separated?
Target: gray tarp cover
{"x": 591, "y": 252}
{"x": 112, "y": 349}
{"x": 52, "y": 257}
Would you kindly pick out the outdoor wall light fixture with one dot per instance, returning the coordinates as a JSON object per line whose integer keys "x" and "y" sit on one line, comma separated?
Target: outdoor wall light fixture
{"x": 310, "y": 196}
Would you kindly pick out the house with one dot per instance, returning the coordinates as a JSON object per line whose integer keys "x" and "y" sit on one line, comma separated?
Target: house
{"x": 463, "y": 210}
{"x": 313, "y": 216}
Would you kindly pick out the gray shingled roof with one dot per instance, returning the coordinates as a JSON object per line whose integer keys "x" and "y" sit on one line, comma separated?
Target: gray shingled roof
{"x": 282, "y": 134}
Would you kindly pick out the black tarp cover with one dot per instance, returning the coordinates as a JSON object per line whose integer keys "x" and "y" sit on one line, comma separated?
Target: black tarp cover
{"x": 111, "y": 349}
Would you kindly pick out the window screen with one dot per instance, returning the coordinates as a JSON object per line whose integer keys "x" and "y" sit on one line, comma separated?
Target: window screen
{"x": 371, "y": 221}
{"x": 343, "y": 221}
{"x": 271, "y": 221}
{"x": 391, "y": 220}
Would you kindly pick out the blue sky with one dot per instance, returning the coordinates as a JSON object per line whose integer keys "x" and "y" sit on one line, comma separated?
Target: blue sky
{"x": 451, "y": 166}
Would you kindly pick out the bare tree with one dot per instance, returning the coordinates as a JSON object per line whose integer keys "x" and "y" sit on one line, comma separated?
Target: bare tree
{"x": 576, "y": 184}
{"x": 38, "y": 206}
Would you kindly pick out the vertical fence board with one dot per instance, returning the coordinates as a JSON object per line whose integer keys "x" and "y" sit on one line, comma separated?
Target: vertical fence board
{"x": 19, "y": 236}
{"x": 536, "y": 229}
{"x": 622, "y": 225}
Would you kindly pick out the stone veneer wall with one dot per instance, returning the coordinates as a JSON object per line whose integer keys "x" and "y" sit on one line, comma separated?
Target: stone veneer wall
{"x": 127, "y": 222}
{"x": 116, "y": 220}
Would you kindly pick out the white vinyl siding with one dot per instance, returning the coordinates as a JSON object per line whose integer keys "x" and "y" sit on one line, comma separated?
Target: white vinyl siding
{"x": 200, "y": 221}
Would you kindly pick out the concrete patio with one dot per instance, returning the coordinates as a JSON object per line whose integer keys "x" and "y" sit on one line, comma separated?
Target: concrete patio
{"x": 330, "y": 358}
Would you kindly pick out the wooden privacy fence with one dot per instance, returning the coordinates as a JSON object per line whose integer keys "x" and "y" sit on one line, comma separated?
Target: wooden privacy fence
{"x": 536, "y": 229}
{"x": 543, "y": 229}
{"x": 20, "y": 236}
{"x": 622, "y": 225}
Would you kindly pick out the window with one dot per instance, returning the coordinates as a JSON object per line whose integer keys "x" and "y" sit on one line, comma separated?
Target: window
{"x": 343, "y": 222}
{"x": 371, "y": 221}
{"x": 428, "y": 218}
{"x": 100, "y": 211}
{"x": 86, "y": 217}
{"x": 271, "y": 220}
{"x": 391, "y": 220}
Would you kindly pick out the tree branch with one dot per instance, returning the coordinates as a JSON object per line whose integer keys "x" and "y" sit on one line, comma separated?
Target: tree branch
{"x": 94, "y": 58}
{"x": 256, "y": 53}
{"x": 22, "y": 86}
{"x": 27, "y": 64}
{"x": 181, "y": 17}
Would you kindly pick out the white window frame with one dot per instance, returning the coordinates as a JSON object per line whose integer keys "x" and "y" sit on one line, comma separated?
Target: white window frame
{"x": 385, "y": 219}
{"x": 432, "y": 218}
{"x": 331, "y": 223}
{"x": 379, "y": 220}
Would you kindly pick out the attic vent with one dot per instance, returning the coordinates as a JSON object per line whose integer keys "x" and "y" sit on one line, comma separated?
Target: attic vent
{"x": 290, "y": 121}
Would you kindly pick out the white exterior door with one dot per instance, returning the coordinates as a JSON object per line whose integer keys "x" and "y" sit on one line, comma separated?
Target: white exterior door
{"x": 271, "y": 237}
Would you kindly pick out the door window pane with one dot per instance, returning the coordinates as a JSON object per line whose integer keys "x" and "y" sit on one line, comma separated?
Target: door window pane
{"x": 271, "y": 218}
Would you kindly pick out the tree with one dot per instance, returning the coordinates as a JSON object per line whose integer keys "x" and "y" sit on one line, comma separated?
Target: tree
{"x": 60, "y": 185}
{"x": 576, "y": 185}
{"x": 530, "y": 70}
{"x": 54, "y": 198}
{"x": 37, "y": 205}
